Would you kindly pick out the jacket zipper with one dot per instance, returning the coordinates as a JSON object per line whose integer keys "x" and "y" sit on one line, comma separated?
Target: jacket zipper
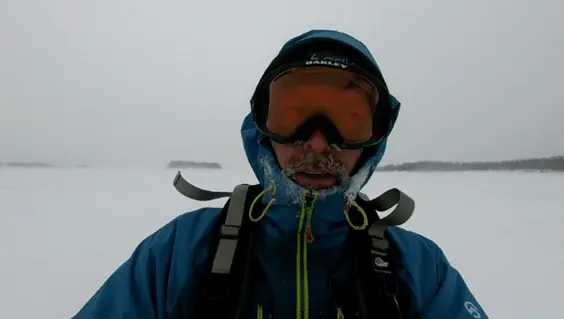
{"x": 259, "y": 312}
{"x": 304, "y": 236}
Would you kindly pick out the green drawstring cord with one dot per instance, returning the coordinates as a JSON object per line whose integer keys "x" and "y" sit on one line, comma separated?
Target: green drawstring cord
{"x": 309, "y": 234}
{"x": 272, "y": 200}
{"x": 261, "y": 195}
{"x": 362, "y": 212}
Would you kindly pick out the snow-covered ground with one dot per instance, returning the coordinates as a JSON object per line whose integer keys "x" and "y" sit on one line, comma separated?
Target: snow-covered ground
{"x": 62, "y": 232}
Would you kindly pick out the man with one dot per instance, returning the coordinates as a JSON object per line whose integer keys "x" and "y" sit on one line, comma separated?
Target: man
{"x": 319, "y": 121}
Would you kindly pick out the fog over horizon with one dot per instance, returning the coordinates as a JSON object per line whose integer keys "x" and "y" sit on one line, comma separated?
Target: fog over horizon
{"x": 140, "y": 83}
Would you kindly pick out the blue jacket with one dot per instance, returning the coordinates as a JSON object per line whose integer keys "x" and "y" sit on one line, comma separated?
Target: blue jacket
{"x": 153, "y": 282}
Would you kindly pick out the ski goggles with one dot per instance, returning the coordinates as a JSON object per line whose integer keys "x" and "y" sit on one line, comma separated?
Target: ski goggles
{"x": 347, "y": 106}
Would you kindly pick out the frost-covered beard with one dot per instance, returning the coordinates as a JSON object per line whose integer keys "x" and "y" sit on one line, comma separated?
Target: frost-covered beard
{"x": 318, "y": 161}
{"x": 290, "y": 192}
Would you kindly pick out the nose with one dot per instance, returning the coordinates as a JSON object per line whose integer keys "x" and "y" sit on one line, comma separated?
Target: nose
{"x": 317, "y": 142}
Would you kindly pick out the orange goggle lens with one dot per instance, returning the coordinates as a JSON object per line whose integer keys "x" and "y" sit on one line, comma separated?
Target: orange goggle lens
{"x": 345, "y": 98}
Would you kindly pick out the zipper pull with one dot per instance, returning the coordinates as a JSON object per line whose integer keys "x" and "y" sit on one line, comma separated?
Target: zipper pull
{"x": 309, "y": 235}
{"x": 309, "y": 201}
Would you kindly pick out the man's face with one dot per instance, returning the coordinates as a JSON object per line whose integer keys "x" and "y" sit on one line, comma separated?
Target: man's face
{"x": 344, "y": 98}
{"x": 315, "y": 164}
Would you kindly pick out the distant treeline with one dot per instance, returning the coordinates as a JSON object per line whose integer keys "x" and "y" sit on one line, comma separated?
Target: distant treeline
{"x": 555, "y": 163}
{"x": 27, "y": 164}
{"x": 191, "y": 164}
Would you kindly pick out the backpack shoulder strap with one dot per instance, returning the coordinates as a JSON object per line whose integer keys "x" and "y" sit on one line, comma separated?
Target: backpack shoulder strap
{"x": 380, "y": 290}
{"x": 230, "y": 230}
{"x": 222, "y": 289}
{"x": 193, "y": 192}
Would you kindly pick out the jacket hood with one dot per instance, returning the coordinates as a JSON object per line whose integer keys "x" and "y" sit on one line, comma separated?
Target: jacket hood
{"x": 263, "y": 161}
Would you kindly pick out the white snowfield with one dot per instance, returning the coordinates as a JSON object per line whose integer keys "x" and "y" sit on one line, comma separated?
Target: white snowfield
{"x": 63, "y": 232}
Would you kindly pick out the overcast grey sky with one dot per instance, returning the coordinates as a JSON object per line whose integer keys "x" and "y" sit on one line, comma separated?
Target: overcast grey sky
{"x": 117, "y": 82}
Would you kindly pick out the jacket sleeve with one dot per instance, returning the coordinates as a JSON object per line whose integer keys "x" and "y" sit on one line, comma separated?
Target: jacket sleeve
{"x": 453, "y": 298}
{"x": 151, "y": 282}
